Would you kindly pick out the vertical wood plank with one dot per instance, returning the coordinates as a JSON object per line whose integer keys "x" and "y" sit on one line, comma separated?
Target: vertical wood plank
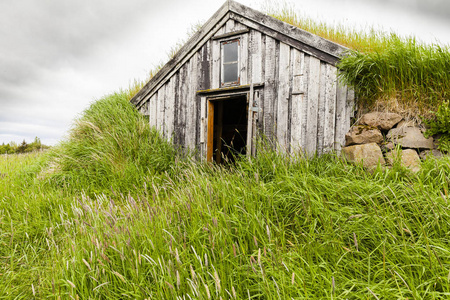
{"x": 321, "y": 108}
{"x": 349, "y": 109}
{"x": 330, "y": 108}
{"x": 161, "y": 100}
{"x": 313, "y": 101}
{"x": 183, "y": 90}
{"x": 243, "y": 60}
{"x": 153, "y": 109}
{"x": 304, "y": 107}
{"x": 204, "y": 126}
{"x": 297, "y": 99}
{"x": 210, "y": 134}
{"x": 170, "y": 108}
{"x": 256, "y": 57}
{"x": 215, "y": 64}
{"x": 341, "y": 98}
{"x": 270, "y": 87}
{"x": 191, "y": 103}
{"x": 283, "y": 97}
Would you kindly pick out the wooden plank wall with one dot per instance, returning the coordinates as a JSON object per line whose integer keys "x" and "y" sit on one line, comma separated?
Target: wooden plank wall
{"x": 303, "y": 107}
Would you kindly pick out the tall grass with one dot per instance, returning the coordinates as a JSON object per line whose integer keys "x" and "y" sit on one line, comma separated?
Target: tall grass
{"x": 110, "y": 146}
{"x": 273, "y": 227}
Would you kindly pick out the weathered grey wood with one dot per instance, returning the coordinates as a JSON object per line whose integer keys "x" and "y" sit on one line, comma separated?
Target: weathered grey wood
{"x": 341, "y": 99}
{"x": 270, "y": 87}
{"x": 229, "y": 26}
{"x": 191, "y": 103}
{"x": 250, "y": 121}
{"x": 256, "y": 57}
{"x": 313, "y": 99}
{"x": 287, "y": 39}
{"x": 321, "y": 108}
{"x": 256, "y": 99}
{"x": 153, "y": 105}
{"x": 161, "y": 108}
{"x": 330, "y": 108}
{"x": 215, "y": 64}
{"x": 183, "y": 102}
{"x": 204, "y": 128}
{"x": 231, "y": 34}
{"x": 297, "y": 99}
{"x": 183, "y": 55}
{"x": 303, "y": 36}
{"x": 170, "y": 108}
{"x": 305, "y": 103}
{"x": 349, "y": 108}
{"x": 243, "y": 60}
{"x": 283, "y": 97}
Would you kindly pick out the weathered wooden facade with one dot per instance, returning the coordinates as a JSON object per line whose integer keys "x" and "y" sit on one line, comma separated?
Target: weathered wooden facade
{"x": 243, "y": 74}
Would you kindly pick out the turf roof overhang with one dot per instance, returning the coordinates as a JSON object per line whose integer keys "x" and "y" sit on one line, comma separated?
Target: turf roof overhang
{"x": 307, "y": 42}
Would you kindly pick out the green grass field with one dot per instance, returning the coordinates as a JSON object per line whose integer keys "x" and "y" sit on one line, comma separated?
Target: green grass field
{"x": 93, "y": 219}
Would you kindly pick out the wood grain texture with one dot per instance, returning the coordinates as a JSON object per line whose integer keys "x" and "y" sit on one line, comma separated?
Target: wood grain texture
{"x": 243, "y": 59}
{"x": 169, "y": 115}
{"x": 153, "y": 107}
{"x": 255, "y": 57}
{"x": 330, "y": 108}
{"x": 313, "y": 105}
{"x": 297, "y": 100}
{"x": 270, "y": 86}
{"x": 191, "y": 103}
{"x": 321, "y": 108}
{"x": 161, "y": 109}
{"x": 340, "y": 131}
{"x": 283, "y": 97}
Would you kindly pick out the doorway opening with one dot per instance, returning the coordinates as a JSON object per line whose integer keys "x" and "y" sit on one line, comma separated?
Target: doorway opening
{"x": 227, "y": 128}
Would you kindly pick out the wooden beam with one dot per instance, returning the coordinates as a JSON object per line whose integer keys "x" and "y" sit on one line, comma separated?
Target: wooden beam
{"x": 230, "y": 89}
{"x": 210, "y": 135}
{"x": 230, "y": 34}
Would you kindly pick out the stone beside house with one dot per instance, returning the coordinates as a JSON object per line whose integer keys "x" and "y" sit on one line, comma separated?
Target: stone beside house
{"x": 384, "y": 138}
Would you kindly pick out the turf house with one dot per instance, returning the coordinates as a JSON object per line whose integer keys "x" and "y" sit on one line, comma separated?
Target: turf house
{"x": 245, "y": 74}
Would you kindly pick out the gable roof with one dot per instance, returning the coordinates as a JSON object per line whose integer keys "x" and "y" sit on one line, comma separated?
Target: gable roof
{"x": 307, "y": 42}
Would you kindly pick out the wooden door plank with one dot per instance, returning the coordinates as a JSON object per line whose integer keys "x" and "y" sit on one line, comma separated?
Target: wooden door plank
{"x": 210, "y": 135}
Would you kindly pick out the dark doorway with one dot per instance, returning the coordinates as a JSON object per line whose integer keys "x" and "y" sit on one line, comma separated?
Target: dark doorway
{"x": 228, "y": 135}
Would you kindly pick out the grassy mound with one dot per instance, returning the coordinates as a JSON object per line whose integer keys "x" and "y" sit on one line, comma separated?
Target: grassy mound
{"x": 111, "y": 146}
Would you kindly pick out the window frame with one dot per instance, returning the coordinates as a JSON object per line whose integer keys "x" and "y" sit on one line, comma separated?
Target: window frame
{"x": 223, "y": 63}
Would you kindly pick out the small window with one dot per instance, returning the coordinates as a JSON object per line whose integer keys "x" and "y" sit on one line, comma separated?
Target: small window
{"x": 230, "y": 63}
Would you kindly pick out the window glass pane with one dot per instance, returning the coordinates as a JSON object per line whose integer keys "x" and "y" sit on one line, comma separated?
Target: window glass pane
{"x": 230, "y": 52}
{"x": 230, "y": 72}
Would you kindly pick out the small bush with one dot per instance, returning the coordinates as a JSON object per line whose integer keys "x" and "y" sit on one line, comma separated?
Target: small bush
{"x": 440, "y": 124}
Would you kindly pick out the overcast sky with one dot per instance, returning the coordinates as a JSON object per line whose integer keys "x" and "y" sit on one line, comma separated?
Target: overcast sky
{"x": 57, "y": 56}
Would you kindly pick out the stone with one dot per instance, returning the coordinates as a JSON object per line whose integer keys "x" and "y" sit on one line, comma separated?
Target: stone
{"x": 383, "y": 121}
{"x": 409, "y": 137}
{"x": 368, "y": 154}
{"x": 362, "y": 134}
{"x": 404, "y": 123}
{"x": 387, "y": 146}
{"x": 430, "y": 153}
{"x": 409, "y": 159}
